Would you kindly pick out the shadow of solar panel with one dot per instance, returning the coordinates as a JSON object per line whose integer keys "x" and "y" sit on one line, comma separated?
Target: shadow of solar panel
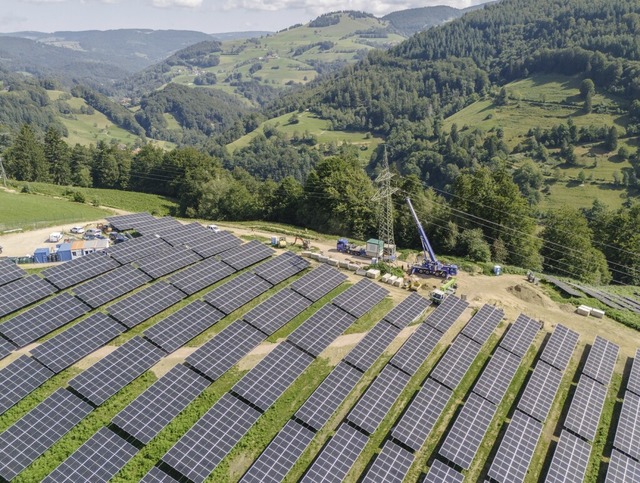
{"x": 77, "y": 341}
{"x": 156, "y": 475}
{"x": 146, "y": 303}
{"x": 111, "y": 285}
{"x": 337, "y": 457}
{"x": 560, "y": 347}
{"x": 570, "y": 461}
{"x": 276, "y": 311}
{"x": 236, "y": 292}
{"x": 367, "y": 351}
{"x": 483, "y": 323}
{"x": 107, "y": 376}
{"x": 127, "y": 222}
{"x": 167, "y": 261}
{"x": 497, "y": 376}
{"x": 322, "y": 328}
{"x": 360, "y": 298}
{"x": 541, "y": 390}
{"x": 137, "y": 248}
{"x": 156, "y": 407}
{"x": 516, "y": 449}
{"x": 586, "y": 408}
{"x": 38, "y": 430}
{"x": 407, "y": 311}
{"x": 97, "y": 460}
{"x": 6, "y": 348}
{"x": 416, "y": 349}
{"x": 246, "y": 255}
{"x": 391, "y": 465}
{"x": 79, "y": 269}
{"x": 446, "y": 313}
{"x": 202, "y": 448}
{"x": 42, "y": 319}
{"x": 281, "y": 268}
{"x": 201, "y": 275}
{"x": 627, "y": 437}
{"x": 20, "y": 378}
{"x": 622, "y": 469}
{"x": 520, "y": 335}
{"x": 456, "y": 362}
{"x": 601, "y": 360}
{"x": 10, "y": 272}
{"x": 421, "y": 416}
{"x": 378, "y": 399}
{"x": 318, "y": 283}
{"x": 281, "y": 454}
{"x": 441, "y": 473}
{"x": 266, "y": 382}
{"x": 470, "y": 427}
{"x": 22, "y": 292}
{"x": 221, "y": 353}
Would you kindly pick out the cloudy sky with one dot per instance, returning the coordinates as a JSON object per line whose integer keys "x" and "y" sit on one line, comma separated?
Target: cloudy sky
{"x": 208, "y": 16}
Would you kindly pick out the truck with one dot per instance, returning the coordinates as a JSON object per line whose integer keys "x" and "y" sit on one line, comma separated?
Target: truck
{"x": 343, "y": 246}
{"x": 449, "y": 287}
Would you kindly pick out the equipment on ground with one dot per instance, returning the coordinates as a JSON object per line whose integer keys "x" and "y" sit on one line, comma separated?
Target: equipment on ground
{"x": 343, "y": 246}
{"x": 430, "y": 264}
{"x": 447, "y": 288}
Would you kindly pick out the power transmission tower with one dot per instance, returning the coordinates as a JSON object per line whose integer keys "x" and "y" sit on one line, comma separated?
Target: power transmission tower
{"x": 385, "y": 204}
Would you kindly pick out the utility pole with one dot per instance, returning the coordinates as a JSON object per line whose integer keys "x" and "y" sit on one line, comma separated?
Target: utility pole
{"x": 385, "y": 206}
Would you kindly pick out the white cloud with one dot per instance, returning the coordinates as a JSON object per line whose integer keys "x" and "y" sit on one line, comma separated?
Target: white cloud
{"x": 177, "y": 3}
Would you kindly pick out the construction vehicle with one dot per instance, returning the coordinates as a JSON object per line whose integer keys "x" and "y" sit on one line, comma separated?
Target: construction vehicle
{"x": 343, "y": 246}
{"x": 447, "y": 288}
{"x": 430, "y": 263}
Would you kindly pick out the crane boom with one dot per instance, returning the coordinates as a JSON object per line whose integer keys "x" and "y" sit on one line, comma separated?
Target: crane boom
{"x": 426, "y": 246}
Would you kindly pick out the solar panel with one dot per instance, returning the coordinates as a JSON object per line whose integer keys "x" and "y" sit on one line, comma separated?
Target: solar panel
{"x": 601, "y": 360}
{"x": 246, "y": 255}
{"x": 77, "y": 341}
{"x": 560, "y": 346}
{"x": 110, "y": 374}
{"x": 6, "y": 347}
{"x": 456, "y": 362}
{"x": 156, "y": 407}
{"x": 202, "y": 448}
{"x": 520, "y": 335}
{"x": 322, "y": 328}
{"x": 221, "y": 353}
{"x": 407, "y": 311}
{"x": 20, "y": 378}
{"x": 633, "y": 384}
{"x": 17, "y": 295}
{"x": 167, "y": 261}
{"x": 318, "y": 283}
{"x": 446, "y": 313}
{"x": 391, "y": 465}
{"x": 136, "y": 249}
{"x": 628, "y": 432}
{"x": 266, "y": 382}
{"x": 337, "y": 457}
{"x": 111, "y": 285}
{"x": 416, "y": 349}
{"x": 236, "y": 292}
{"x": 360, "y": 298}
{"x": 276, "y": 311}
{"x": 570, "y": 461}
{"x": 516, "y": 449}
{"x": 622, "y": 469}
{"x": 378, "y": 399}
{"x": 483, "y": 323}
{"x": 156, "y": 475}
{"x": 282, "y": 453}
{"x": 9, "y": 272}
{"x": 441, "y": 473}
{"x": 541, "y": 390}
{"x": 421, "y": 416}
{"x": 38, "y": 430}
{"x": 201, "y": 275}
{"x": 317, "y": 410}
{"x": 182, "y": 326}
{"x": 497, "y": 376}
{"x": 367, "y": 351}
{"x": 144, "y": 304}
{"x": 281, "y": 268}
{"x": 42, "y": 319}
{"x": 127, "y": 222}
{"x": 79, "y": 269}
{"x": 586, "y": 408}
{"x": 468, "y": 431}
{"x": 97, "y": 460}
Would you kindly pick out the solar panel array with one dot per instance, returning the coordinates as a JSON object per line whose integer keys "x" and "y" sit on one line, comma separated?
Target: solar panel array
{"x": 322, "y": 328}
{"x": 156, "y": 407}
{"x": 246, "y": 255}
{"x": 6, "y": 348}
{"x": 416, "y": 349}
{"x": 456, "y": 361}
{"x": 407, "y": 311}
{"x": 282, "y": 453}
{"x": 318, "y": 283}
{"x": 183, "y": 325}
{"x": 447, "y": 313}
{"x": 391, "y": 465}
{"x": 168, "y": 260}
{"x": 441, "y": 473}
{"x": 156, "y": 475}
{"x": 79, "y": 269}
{"x": 137, "y": 249}
{"x": 22, "y": 292}
{"x": 633, "y": 384}
{"x": 622, "y": 469}
{"x": 107, "y": 376}
{"x": 38, "y": 430}
{"x": 483, "y": 323}
{"x": 201, "y": 275}
{"x": 42, "y": 319}
{"x": 360, "y": 298}
{"x": 146, "y": 303}
{"x": 9, "y": 272}
{"x": 20, "y": 378}
{"x": 520, "y": 335}
{"x": 276, "y": 311}
{"x": 538, "y": 395}
{"x": 586, "y": 408}
{"x": 111, "y": 285}
{"x": 201, "y": 449}
{"x": 601, "y": 360}
{"x": 97, "y": 460}
{"x": 560, "y": 346}
{"x": 627, "y": 437}
{"x": 77, "y": 341}
{"x": 570, "y": 461}
{"x": 281, "y": 268}
{"x": 367, "y": 351}
{"x": 236, "y": 292}
{"x": 497, "y": 376}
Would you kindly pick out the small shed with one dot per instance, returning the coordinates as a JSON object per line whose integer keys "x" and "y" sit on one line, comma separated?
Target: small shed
{"x": 64, "y": 252}
{"x": 41, "y": 255}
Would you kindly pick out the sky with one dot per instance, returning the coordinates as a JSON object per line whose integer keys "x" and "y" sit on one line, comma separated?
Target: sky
{"x": 209, "y": 16}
